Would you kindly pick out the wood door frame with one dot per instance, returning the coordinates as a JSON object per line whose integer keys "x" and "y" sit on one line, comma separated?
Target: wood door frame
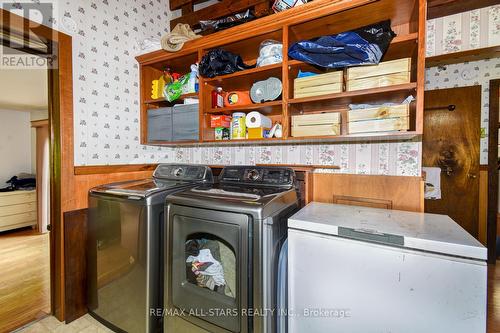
{"x": 60, "y": 109}
{"x": 493, "y": 169}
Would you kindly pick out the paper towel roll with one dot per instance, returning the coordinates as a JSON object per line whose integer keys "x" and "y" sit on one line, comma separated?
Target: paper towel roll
{"x": 256, "y": 119}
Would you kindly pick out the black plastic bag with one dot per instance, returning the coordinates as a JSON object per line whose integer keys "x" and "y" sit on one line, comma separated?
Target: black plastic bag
{"x": 227, "y": 22}
{"x": 363, "y": 46}
{"x": 219, "y": 62}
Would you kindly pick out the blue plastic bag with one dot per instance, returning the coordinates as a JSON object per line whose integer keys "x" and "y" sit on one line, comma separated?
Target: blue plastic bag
{"x": 364, "y": 46}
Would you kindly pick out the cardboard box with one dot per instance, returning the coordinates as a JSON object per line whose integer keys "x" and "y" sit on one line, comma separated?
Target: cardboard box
{"x": 220, "y": 121}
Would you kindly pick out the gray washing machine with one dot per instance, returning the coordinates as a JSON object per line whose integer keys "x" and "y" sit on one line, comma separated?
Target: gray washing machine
{"x": 222, "y": 249}
{"x": 125, "y": 246}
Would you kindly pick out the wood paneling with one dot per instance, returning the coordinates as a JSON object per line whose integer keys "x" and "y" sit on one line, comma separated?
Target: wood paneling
{"x": 402, "y": 193}
{"x": 103, "y": 169}
{"x": 75, "y": 268}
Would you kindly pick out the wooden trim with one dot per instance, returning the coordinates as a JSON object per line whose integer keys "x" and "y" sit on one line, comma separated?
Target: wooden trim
{"x": 302, "y": 167}
{"x": 75, "y": 269}
{"x": 103, "y": 169}
{"x": 40, "y": 123}
{"x": 463, "y": 56}
{"x": 106, "y": 169}
{"x": 493, "y": 170}
{"x": 440, "y": 8}
{"x": 60, "y": 104}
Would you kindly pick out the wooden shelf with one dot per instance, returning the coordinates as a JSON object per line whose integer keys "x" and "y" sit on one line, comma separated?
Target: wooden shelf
{"x": 249, "y": 107}
{"x": 321, "y": 17}
{"x": 163, "y": 100}
{"x": 348, "y": 96}
{"x": 463, "y": 56}
{"x": 245, "y": 72}
{"x": 374, "y": 136}
{"x": 240, "y": 141}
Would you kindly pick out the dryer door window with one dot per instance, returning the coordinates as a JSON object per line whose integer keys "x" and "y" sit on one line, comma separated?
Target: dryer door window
{"x": 209, "y": 266}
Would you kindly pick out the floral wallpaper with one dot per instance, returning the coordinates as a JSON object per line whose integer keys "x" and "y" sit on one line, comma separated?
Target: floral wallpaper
{"x": 465, "y": 31}
{"x": 106, "y": 38}
{"x": 394, "y": 158}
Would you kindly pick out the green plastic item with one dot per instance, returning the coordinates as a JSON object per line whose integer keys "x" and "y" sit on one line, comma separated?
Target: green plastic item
{"x": 174, "y": 90}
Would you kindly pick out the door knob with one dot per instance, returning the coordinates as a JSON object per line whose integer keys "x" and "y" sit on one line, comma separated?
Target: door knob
{"x": 472, "y": 175}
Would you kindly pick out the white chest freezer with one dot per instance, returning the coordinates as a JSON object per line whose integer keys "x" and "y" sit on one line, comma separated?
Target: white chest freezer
{"x": 366, "y": 270}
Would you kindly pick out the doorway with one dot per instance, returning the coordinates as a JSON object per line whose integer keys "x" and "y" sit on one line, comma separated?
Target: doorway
{"x": 451, "y": 145}
{"x": 24, "y": 195}
{"x": 60, "y": 125}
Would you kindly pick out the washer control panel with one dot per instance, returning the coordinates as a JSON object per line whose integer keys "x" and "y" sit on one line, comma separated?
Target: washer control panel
{"x": 183, "y": 172}
{"x": 266, "y": 176}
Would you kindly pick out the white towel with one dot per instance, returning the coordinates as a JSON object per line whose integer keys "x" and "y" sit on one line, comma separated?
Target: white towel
{"x": 432, "y": 182}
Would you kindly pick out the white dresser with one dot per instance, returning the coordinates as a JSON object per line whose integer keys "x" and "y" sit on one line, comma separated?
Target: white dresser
{"x": 17, "y": 209}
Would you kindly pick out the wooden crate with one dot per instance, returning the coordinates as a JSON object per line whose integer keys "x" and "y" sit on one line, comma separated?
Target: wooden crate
{"x": 382, "y": 75}
{"x": 317, "y": 124}
{"x": 379, "y": 125}
{"x": 383, "y": 112}
{"x": 383, "y": 68}
{"x": 379, "y": 119}
{"x": 317, "y": 85}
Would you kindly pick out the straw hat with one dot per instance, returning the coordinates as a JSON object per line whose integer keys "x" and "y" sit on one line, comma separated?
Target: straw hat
{"x": 174, "y": 40}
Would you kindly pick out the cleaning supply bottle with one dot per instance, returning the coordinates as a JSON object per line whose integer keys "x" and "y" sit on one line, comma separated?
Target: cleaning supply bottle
{"x": 193, "y": 79}
{"x": 217, "y": 98}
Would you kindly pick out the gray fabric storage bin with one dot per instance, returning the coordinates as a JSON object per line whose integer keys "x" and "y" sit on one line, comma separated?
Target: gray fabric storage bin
{"x": 160, "y": 124}
{"x": 185, "y": 119}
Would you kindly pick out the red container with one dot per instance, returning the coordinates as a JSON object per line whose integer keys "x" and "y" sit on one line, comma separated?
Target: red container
{"x": 220, "y": 121}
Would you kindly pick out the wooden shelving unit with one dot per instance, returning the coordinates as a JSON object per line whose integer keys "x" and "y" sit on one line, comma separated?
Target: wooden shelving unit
{"x": 317, "y": 18}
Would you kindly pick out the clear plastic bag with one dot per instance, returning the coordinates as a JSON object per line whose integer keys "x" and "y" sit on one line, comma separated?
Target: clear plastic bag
{"x": 270, "y": 52}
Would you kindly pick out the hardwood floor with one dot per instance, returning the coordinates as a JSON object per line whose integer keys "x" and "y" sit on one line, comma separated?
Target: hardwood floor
{"x": 494, "y": 298}
{"x": 24, "y": 278}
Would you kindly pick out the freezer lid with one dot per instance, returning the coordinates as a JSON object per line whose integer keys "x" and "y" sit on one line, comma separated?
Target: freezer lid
{"x": 421, "y": 231}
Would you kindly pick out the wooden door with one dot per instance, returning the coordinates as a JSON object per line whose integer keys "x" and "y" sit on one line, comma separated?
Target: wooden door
{"x": 451, "y": 142}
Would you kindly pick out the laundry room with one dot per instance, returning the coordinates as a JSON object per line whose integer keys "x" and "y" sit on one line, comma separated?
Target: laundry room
{"x": 264, "y": 166}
